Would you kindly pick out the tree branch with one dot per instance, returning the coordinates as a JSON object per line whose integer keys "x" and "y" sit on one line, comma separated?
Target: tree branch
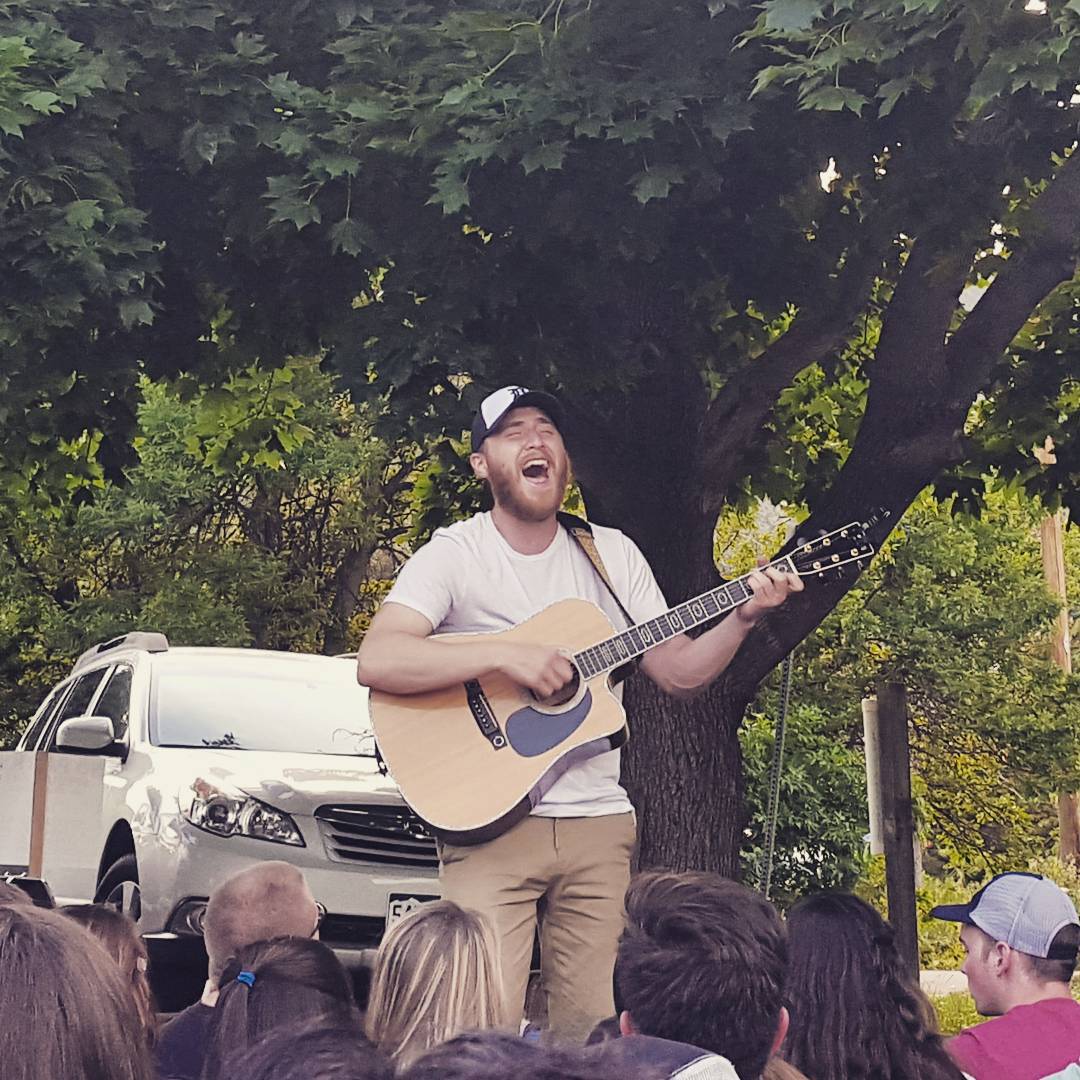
{"x": 736, "y": 414}
{"x": 1027, "y": 279}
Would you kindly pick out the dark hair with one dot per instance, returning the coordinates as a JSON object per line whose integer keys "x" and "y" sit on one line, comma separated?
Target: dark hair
{"x": 495, "y": 1055}
{"x": 273, "y": 984}
{"x": 124, "y": 944}
{"x": 1061, "y": 971}
{"x": 604, "y": 1031}
{"x": 856, "y": 1014}
{"x": 312, "y": 1052}
{"x": 64, "y": 1009}
{"x": 702, "y": 961}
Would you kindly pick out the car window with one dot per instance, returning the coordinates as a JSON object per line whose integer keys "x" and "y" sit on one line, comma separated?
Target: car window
{"x": 78, "y": 701}
{"x": 45, "y": 714}
{"x": 115, "y": 700}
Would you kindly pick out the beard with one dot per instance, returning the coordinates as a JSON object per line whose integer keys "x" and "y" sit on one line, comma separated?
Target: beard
{"x": 525, "y": 505}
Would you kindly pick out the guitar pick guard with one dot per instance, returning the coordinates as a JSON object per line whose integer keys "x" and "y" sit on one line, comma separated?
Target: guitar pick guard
{"x": 531, "y": 732}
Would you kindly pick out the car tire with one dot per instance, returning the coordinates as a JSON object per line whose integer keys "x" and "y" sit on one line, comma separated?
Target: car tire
{"x": 119, "y": 887}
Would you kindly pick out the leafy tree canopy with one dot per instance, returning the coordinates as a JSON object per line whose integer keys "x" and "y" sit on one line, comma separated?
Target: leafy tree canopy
{"x": 621, "y": 201}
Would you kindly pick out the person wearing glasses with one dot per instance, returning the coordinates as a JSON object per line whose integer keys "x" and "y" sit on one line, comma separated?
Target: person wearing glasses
{"x": 266, "y": 901}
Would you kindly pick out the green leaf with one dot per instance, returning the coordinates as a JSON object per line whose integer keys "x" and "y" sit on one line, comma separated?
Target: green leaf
{"x": 348, "y": 236}
{"x": 544, "y": 156}
{"x": 135, "y": 312}
{"x": 11, "y": 122}
{"x": 784, "y": 16}
{"x": 591, "y": 126}
{"x": 832, "y": 99}
{"x": 725, "y": 119}
{"x": 768, "y": 75}
{"x": 891, "y": 92}
{"x": 630, "y": 131}
{"x": 656, "y": 182}
{"x": 457, "y": 94}
{"x": 42, "y": 101}
{"x": 366, "y": 109}
{"x": 335, "y": 165}
{"x": 292, "y": 142}
{"x": 83, "y": 213}
{"x": 1073, "y": 5}
{"x": 451, "y": 192}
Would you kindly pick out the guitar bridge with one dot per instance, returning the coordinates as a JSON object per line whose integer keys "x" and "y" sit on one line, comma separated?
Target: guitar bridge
{"x": 482, "y": 714}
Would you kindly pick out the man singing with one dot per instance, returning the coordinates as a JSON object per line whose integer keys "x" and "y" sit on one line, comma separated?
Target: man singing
{"x": 492, "y": 572}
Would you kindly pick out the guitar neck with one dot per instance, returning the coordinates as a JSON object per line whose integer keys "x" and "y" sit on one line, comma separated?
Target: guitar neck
{"x": 637, "y": 640}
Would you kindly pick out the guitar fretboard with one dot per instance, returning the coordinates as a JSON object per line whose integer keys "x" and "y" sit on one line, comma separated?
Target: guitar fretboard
{"x": 617, "y": 650}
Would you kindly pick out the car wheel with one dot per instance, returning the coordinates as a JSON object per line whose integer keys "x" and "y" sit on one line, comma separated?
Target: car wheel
{"x": 119, "y": 887}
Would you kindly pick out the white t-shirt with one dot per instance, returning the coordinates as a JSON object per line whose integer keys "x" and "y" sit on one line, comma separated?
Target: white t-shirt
{"x": 468, "y": 579}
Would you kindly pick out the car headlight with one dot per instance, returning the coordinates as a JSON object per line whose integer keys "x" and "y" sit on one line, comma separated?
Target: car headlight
{"x": 232, "y": 813}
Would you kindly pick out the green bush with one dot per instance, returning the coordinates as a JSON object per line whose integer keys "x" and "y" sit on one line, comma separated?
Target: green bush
{"x": 955, "y": 1012}
{"x": 939, "y": 942}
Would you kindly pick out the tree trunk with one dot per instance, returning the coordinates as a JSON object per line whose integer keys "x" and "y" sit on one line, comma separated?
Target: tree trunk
{"x": 348, "y": 578}
{"x": 683, "y": 769}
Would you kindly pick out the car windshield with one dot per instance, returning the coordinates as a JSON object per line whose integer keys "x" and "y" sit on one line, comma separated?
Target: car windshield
{"x": 256, "y": 702}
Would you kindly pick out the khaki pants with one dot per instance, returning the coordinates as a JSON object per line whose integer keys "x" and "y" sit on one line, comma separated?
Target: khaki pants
{"x": 581, "y": 868}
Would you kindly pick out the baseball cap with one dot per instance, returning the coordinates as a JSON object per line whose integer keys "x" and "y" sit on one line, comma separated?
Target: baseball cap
{"x": 496, "y": 405}
{"x": 1024, "y": 910}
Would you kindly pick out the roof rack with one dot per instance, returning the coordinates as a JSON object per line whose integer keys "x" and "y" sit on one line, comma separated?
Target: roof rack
{"x": 137, "y": 641}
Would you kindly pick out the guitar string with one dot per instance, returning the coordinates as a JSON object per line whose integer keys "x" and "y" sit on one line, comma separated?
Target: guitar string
{"x": 614, "y": 651}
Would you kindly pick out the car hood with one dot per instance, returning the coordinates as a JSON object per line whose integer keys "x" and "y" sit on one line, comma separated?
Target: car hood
{"x": 295, "y": 783}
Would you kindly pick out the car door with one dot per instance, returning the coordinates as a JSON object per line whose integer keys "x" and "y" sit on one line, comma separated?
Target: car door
{"x": 72, "y": 788}
{"x": 17, "y": 791}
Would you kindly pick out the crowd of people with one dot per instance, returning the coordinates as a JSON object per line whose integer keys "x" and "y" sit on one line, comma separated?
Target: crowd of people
{"x": 710, "y": 982}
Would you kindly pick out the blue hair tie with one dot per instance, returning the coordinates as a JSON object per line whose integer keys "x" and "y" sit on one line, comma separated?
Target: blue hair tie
{"x": 247, "y": 978}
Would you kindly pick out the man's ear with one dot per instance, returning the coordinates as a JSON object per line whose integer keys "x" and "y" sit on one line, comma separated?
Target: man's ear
{"x": 1003, "y": 959}
{"x": 479, "y": 465}
{"x": 626, "y": 1024}
{"x": 783, "y": 1022}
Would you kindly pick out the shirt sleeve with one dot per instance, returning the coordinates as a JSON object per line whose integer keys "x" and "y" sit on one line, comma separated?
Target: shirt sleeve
{"x": 646, "y": 599}
{"x": 430, "y": 580}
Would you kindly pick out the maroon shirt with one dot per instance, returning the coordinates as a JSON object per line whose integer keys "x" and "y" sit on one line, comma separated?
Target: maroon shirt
{"x": 1028, "y": 1043}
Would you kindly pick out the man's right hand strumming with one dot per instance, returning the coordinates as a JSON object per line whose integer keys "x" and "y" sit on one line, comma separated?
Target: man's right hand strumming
{"x": 538, "y": 668}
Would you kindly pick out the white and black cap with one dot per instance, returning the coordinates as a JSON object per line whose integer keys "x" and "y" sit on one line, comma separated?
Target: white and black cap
{"x": 496, "y": 405}
{"x": 1025, "y": 911}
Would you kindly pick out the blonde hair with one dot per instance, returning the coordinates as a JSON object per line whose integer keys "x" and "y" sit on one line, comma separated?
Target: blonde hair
{"x": 436, "y": 976}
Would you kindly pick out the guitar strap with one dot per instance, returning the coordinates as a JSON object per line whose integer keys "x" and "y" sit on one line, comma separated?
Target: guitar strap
{"x": 581, "y": 532}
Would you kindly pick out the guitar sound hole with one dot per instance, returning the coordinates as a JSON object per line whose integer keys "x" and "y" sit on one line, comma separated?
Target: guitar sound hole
{"x": 563, "y": 695}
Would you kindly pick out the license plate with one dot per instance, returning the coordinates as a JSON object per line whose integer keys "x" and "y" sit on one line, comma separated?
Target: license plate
{"x": 398, "y": 905}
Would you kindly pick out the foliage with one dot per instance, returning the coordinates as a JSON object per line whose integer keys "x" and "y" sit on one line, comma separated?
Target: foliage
{"x": 214, "y": 539}
{"x": 955, "y": 609}
{"x": 939, "y": 941}
{"x": 620, "y": 201}
{"x": 955, "y": 1012}
{"x": 820, "y": 841}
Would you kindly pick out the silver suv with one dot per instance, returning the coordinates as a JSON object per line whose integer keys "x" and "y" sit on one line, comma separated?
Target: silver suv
{"x": 152, "y": 774}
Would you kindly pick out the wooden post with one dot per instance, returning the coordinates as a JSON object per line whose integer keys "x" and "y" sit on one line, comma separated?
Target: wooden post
{"x": 1053, "y": 557}
{"x": 898, "y": 821}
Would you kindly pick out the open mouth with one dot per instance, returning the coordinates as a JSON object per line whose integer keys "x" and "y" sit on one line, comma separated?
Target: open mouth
{"x": 536, "y": 471}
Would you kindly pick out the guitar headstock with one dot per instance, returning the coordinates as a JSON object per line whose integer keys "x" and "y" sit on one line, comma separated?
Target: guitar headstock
{"x": 825, "y": 556}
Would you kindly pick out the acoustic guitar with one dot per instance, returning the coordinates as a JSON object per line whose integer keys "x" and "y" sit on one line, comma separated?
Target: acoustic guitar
{"x": 473, "y": 759}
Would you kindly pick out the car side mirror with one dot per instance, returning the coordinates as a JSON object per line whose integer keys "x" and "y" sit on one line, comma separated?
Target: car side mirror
{"x": 88, "y": 734}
